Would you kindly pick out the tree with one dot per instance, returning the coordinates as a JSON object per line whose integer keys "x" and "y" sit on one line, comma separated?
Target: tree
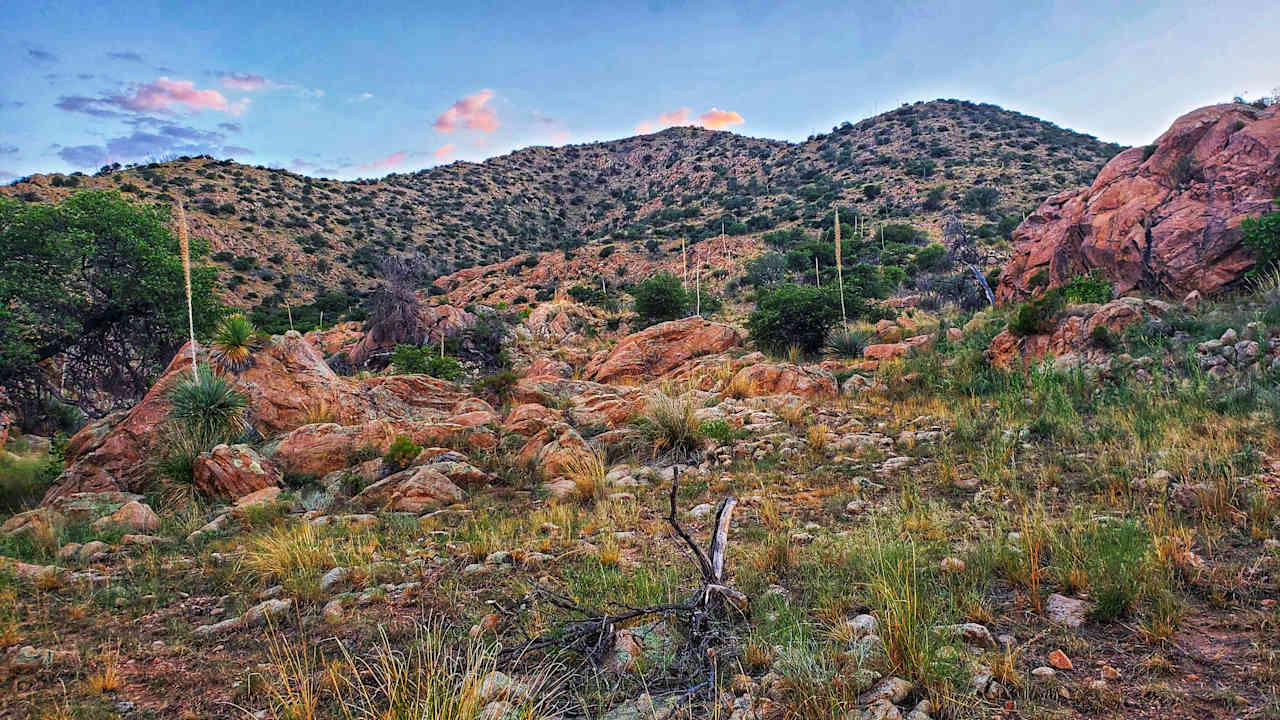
{"x": 95, "y": 281}
{"x": 660, "y": 298}
{"x": 394, "y": 317}
{"x": 982, "y": 198}
{"x": 794, "y": 315}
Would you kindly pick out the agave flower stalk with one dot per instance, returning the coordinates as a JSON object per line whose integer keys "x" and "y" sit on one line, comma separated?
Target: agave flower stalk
{"x": 184, "y": 247}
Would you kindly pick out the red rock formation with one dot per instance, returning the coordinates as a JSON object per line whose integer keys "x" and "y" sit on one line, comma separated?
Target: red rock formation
{"x": 1163, "y": 218}
{"x": 288, "y": 385}
{"x": 233, "y": 471}
{"x": 655, "y": 350}
{"x": 1073, "y": 333}
{"x": 777, "y": 379}
{"x": 323, "y": 448}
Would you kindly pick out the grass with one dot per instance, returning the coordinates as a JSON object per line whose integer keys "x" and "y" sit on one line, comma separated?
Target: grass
{"x": 23, "y": 480}
{"x": 670, "y": 422}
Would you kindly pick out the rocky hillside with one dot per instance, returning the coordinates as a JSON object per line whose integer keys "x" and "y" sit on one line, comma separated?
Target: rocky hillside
{"x": 277, "y": 234}
{"x": 1164, "y": 218}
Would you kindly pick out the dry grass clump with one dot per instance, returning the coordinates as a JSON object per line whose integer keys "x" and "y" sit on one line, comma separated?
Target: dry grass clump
{"x": 670, "y": 422}
{"x": 587, "y": 471}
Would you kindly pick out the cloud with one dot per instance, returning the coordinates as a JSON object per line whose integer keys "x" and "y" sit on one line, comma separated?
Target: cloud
{"x": 679, "y": 116}
{"x": 445, "y": 152}
{"x": 236, "y": 150}
{"x": 233, "y": 127}
{"x": 84, "y": 156}
{"x": 389, "y": 161}
{"x": 159, "y": 96}
{"x": 41, "y": 56}
{"x": 362, "y": 97}
{"x": 126, "y": 56}
{"x": 6, "y": 175}
{"x": 167, "y": 139}
{"x": 10, "y": 104}
{"x": 716, "y": 119}
{"x": 469, "y": 113}
{"x": 8, "y": 149}
{"x": 245, "y": 82}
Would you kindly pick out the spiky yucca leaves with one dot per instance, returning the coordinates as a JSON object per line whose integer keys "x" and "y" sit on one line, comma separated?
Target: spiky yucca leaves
{"x": 847, "y": 343}
{"x": 234, "y": 341}
{"x": 208, "y": 405}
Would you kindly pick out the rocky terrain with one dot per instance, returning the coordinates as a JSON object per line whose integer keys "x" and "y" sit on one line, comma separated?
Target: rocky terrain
{"x": 1066, "y": 505}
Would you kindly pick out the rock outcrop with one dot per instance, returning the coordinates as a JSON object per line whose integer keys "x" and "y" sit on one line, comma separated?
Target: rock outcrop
{"x": 233, "y": 471}
{"x": 1162, "y": 218}
{"x": 288, "y": 385}
{"x": 1076, "y": 332}
{"x": 656, "y": 350}
{"x": 784, "y": 378}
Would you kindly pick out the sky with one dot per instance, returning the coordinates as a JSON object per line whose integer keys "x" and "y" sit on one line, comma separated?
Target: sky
{"x": 362, "y": 89}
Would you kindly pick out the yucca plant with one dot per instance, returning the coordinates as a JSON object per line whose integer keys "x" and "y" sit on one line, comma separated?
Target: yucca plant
{"x": 847, "y": 343}
{"x": 234, "y": 341}
{"x": 208, "y": 406}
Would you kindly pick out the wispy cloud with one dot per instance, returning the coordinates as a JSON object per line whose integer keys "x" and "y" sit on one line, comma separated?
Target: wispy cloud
{"x": 470, "y": 113}
{"x": 125, "y": 55}
{"x": 390, "y": 161}
{"x": 84, "y": 156}
{"x": 162, "y": 140}
{"x": 41, "y": 56}
{"x": 362, "y": 97}
{"x": 245, "y": 82}
{"x": 8, "y": 149}
{"x": 445, "y": 152}
{"x": 236, "y": 151}
{"x": 232, "y": 127}
{"x": 162, "y": 96}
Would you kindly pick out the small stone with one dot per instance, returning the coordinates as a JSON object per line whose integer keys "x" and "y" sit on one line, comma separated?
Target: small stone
{"x": 1065, "y": 610}
{"x": 1059, "y": 659}
{"x": 701, "y": 511}
{"x": 334, "y": 579}
{"x": 1110, "y": 673}
{"x": 952, "y": 565}
{"x": 1044, "y": 671}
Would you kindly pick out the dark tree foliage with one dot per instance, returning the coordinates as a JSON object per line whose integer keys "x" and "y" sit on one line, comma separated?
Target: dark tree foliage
{"x": 794, "y": 315}
{"x": 660, "y": 298}
{"x": 394, "y": 317}
{"x": 95, "y": 285}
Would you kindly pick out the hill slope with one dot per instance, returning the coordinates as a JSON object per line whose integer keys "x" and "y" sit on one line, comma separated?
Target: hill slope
{"x": 280, "y": 235}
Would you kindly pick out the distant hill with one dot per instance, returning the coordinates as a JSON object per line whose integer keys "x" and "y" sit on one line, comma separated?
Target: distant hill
{"x": 276, "y": 234}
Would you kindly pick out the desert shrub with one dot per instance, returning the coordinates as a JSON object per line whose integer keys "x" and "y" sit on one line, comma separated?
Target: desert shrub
{"x": 414, "y": 360}
{"x": 499, "y": 386}
{"x": 403, "y": 450}
{"x": 1262, "y": 236}
{"x": 767, "y": 269}
{"x": 793, "y": 315}
{"x": 660, "y": 298}
{"x": 931, "y": 257}
{"x": 720, "y": 431}
{"x": 1036, "y": 316}
{"x": 982, "y": 198}
{"x": 1091, "y": 288}
{"x": 670, "y": 422}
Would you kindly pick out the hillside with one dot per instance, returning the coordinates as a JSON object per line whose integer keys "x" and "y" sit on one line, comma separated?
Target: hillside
{"x": 277, "y": 235}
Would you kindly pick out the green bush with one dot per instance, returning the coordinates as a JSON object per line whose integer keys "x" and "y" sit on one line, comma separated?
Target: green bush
{"x": 1262, "y": 236}
{"x": 720, "y": 431}
{"x": 1091, "y": 288}
{"x": 1036, "y": 316}
{"x": 660, "y": 298}
{"x": 793, "y": 315}
{"x": 403, "y": 450}
{"x": 414, "y": 360}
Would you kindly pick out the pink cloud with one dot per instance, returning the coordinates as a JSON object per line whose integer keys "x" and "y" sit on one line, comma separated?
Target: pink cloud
{"x": 715, "y": 119}
{"x": 244, "y": 82}
{"x": 469, "y": 113}
{"x": 391, "y": 160}
{"x": 445, "y": 152}
{"x": 674, "y": 117}
{"x": 164, "y": 93}
{"x": 679, "y": 116}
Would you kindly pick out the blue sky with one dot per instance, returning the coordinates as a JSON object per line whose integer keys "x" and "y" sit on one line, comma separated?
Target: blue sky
{"x": 347, "y": 89}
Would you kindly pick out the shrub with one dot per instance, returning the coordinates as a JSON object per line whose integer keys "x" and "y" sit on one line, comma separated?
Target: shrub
{"x": 500, "y": 385}
{"x": 1091, "y": 288}
{"x": 1262, "y": 236}
{"x": 720, "y": 431}
{"x": 660, "y": 298}
{"x": 671, "y": 423}
{"x": 234, "y": 341}
{"x": 208, "y": 405}
{"x": 982, "y": 198}
{"x": 793, "y": 315}
{"x": 847, "y": 343}
{"x": 414, "y": 360}
{"x": 1037, "y": 316}
{"x": 403, "y": 450}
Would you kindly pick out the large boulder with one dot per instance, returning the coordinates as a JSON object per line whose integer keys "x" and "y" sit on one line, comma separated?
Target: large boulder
{"x": 414, "y": 490}
{"x": 589, "y": 403}
{"x": 319, "y": 449}
{"x": 233, "y": 471}
{"x": 656, "y": 350}
{"x": 782, "y": 378}
{"x": 1162, "y": 218}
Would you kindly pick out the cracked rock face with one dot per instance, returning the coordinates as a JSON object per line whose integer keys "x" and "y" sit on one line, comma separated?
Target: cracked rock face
{"x": 1162, "y": 218}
